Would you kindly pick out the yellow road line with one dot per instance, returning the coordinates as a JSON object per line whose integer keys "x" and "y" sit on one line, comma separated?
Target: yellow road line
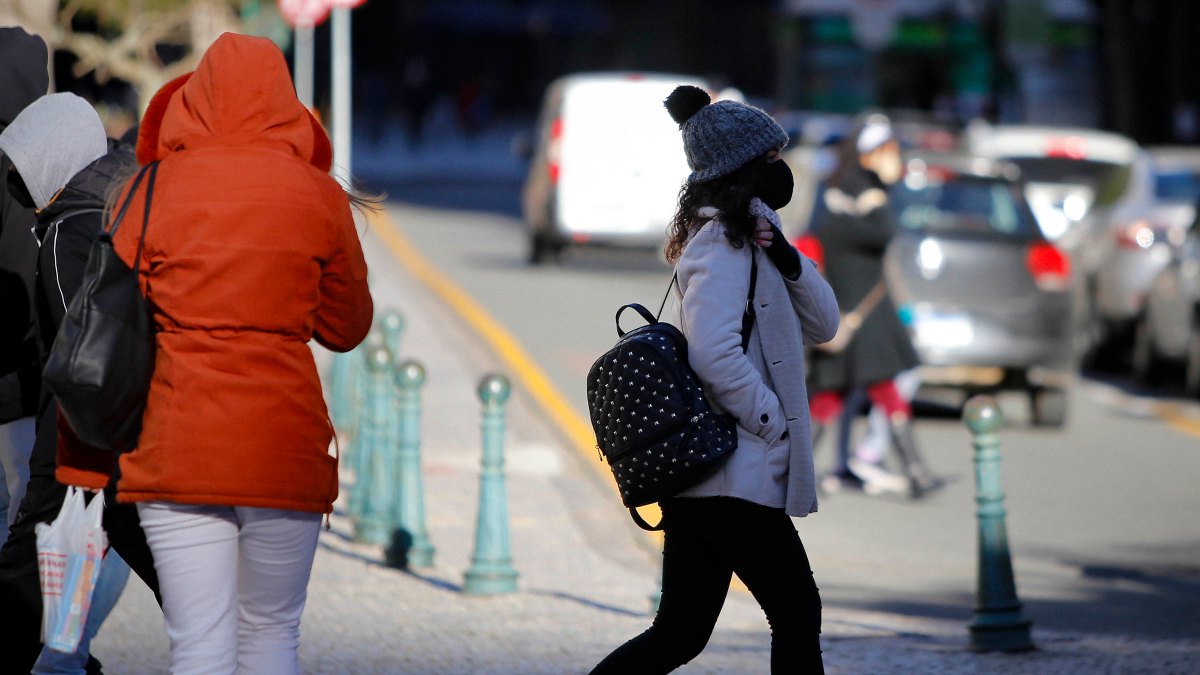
{"x": 1173, "y": 414}
{"x": 577, "y": 429}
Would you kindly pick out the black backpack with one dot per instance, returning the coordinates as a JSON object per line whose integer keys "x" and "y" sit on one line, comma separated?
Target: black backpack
{"x": 653, "y": 424}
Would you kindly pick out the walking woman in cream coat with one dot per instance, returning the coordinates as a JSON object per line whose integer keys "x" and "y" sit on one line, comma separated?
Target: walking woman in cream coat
{"x": 739, "y": 519}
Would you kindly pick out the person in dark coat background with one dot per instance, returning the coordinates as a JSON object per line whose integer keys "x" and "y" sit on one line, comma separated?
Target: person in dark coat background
{"x": 67, "y": 170}
{"x": 854, "y": 226}
{"x": 23, "y": 79}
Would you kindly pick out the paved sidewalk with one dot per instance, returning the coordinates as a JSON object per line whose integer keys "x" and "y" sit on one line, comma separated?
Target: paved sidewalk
{"x": 585, "y": 571}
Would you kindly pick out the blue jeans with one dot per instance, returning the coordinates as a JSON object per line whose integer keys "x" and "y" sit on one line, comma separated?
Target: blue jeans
{"x": 16, "y": 443}
{"x": 114, "y": 572}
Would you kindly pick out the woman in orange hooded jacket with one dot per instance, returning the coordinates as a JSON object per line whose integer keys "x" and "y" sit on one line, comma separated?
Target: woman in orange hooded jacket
{"x": 250, "y": 252}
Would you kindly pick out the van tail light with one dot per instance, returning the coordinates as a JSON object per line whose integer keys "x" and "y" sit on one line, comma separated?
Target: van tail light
{"x": 554, "y": 150}
{"x": 811, "y": 247}
{"x": 1050, "y": 269}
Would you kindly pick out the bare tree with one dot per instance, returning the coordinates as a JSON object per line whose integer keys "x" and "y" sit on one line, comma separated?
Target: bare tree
{"x": 129, "y": 36}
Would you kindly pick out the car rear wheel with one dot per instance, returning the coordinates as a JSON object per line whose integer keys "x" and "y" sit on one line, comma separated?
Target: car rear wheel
{"x": 543, "y": 249}
{"x": 1191, "y": 365}
{"x": 1048, "y": 407}
{"x": 1144, "y": 362}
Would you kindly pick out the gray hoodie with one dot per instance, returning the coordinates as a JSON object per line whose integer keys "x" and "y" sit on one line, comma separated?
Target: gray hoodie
{"x": 51, "y": 140}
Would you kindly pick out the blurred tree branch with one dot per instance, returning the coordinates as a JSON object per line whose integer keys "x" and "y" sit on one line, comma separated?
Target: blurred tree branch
{"x": 129, "y": 34}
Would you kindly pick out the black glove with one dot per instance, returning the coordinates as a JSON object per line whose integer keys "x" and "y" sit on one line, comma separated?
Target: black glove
{"x": 784, "y": 255}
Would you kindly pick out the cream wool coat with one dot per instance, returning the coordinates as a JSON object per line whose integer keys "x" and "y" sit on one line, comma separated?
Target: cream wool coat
{"x": 763, "y": 388}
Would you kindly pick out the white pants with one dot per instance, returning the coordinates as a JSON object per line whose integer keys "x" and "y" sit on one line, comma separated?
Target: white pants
{"x": 233, "y": 582}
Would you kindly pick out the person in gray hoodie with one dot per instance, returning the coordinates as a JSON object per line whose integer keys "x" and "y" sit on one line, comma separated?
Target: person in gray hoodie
{"x": 23, "y": 79}
{"x": 65, "y": 168}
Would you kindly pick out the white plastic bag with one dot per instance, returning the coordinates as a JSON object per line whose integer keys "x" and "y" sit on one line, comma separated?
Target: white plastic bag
{"x": 70, "y": 551}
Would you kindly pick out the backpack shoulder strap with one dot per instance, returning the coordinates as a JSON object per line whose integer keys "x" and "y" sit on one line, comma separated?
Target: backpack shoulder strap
{"x": 749, "y": 314}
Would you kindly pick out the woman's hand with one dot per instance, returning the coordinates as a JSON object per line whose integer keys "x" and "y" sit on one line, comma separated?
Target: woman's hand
{"x": 763, "y": 232}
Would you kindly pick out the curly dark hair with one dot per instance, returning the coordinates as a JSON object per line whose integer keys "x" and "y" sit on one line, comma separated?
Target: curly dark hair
{"x": 730, "y": 194}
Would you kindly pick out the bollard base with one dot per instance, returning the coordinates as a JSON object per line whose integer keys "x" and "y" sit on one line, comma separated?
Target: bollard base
{"x": 372, "y": 532}
{"x": 420, "y": 556}
{"x": 996, "y": 633}
{"x": 494, "y": 581}
{"x": 404, "y": 554}
{"x": 404, "y": 559}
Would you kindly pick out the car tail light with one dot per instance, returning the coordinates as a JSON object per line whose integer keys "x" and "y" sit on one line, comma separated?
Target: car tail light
{"x": 554, "y": 150}
{"x": 1068, "y": 147}
{"x": 1050, "y": 269}
{"x": 811, "y": 247}
{"x": 1138, "y": 234}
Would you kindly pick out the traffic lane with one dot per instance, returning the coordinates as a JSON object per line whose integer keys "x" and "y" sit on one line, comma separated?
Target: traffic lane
{"x": 1098, "y": 540}
{"x": 562, "y": 314}
{"x": 1080, "y": 501}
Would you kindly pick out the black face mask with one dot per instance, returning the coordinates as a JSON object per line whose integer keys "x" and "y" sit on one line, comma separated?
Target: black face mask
{"x": 16, "y": 188}
{"x": 773, "y": 183}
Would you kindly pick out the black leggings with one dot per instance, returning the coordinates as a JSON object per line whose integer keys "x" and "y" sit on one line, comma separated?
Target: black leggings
{"x": 707, "y": 540}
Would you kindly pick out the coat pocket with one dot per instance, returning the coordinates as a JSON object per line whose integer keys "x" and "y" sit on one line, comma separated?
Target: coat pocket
{"x": 772, "y": 424}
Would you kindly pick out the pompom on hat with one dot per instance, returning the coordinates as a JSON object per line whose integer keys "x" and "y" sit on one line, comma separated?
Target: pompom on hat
{"x": 719, "y": 138}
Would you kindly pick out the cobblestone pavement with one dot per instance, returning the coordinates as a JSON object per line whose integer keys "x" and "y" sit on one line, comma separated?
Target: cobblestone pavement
{"x": 586, "y": 573}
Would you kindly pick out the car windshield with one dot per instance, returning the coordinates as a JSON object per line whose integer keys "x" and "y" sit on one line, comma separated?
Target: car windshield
{"x": 970, "y": 205}
{"x": 1107, "y": 179}
{"x": 1177, "y": 186}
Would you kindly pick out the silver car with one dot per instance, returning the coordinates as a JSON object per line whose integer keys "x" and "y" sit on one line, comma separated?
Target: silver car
{"x": 1167, "y": 333}
{"x": 1134, "y": 243}
{"x": 989, "y": 297}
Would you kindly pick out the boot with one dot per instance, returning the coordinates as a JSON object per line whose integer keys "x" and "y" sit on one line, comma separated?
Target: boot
{"x": 841, "y": 478}
{"x": 921, "y": 480}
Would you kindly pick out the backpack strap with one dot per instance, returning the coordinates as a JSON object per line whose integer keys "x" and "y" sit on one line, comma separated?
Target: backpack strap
{"x": 747, "y": 315}
{"x": 641, "y": 522}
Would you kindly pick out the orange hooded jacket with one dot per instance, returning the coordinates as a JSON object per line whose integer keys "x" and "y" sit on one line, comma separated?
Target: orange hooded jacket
{"x": 251, "y": 251}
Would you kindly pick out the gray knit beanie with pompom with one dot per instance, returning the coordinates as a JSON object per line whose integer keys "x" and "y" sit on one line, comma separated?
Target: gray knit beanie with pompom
{"x": 718, "y": 138}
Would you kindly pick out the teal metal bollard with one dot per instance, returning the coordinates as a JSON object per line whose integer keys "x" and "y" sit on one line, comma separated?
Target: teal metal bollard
{"x": 351, "y": 401}
{"x": 491, "y": 571}
{"x": 999, "y": 623}
{"x": 410, "y": 540}
{"x": 374, "y": 495}
{"x": 392, "y": 327}
{"x": 340, "y": 389}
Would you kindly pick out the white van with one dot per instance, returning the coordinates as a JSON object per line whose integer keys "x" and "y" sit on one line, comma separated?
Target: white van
{"x": 607, "y": 164}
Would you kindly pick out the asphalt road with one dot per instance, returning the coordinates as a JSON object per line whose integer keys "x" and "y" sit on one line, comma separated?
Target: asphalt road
{"x": 1102, "y": 515}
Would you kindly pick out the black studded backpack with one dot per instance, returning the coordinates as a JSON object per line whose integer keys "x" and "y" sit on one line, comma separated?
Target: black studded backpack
{"x": 653, "y": 424}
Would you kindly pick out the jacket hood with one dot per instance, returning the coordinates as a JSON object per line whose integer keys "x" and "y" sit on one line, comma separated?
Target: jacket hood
{"x": 92, "y": 186}
{"x": 241, "y": 93}
{"x": 23, "y": 74}
{"x": 51, "y": 140}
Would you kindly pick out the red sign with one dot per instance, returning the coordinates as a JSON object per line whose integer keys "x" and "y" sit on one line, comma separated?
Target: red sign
{"x": 312, "y": 12}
